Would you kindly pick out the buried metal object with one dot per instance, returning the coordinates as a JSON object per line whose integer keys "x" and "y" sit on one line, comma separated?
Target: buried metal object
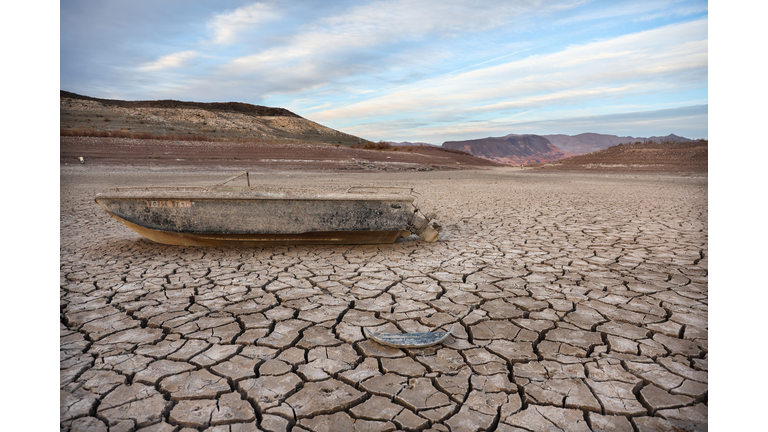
{"x": 409, "y": 340}
{"x": 248, "y": 216}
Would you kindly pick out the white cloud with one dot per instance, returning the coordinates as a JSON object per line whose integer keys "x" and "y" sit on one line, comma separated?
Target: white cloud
{"x": 650, "y": 60}
{"x": 226, "y": 27}
{"x": 639, "y": 11}
{"x": 315, "y": 108}
{"x": 170, "y": 61}
{"x": 384, "y": 20}
{"x": 314, "y": 56}
{"x": 676, "y": 10}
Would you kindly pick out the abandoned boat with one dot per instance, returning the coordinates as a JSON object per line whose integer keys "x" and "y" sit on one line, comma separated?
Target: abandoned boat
{"x": 246, "y": 216}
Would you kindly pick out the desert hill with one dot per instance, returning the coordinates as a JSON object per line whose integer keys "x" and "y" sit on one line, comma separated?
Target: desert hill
{"x": 590, "y": 142}
{"x": 229, "y": 120}
{"x": 534, "y": 149}
{"x": 231, "y": 134}
{"x": 510, "y": 149}
{"x": 649, "y": 156}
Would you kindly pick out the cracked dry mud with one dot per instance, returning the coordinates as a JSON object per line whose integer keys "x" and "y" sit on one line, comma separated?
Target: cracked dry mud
{"x": 579, "y": 302}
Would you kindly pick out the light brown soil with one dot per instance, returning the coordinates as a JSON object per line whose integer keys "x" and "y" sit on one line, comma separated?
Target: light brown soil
{"x": 135, "y": 152}
{"x": 643, "y": 157}
{"x": 221, "y": 121}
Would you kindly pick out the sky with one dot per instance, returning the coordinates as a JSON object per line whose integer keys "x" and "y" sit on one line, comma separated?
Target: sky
{"x": 408, "y": 70}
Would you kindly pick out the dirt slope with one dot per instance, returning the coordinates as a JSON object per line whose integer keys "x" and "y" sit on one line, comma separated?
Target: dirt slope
{"x": 590, "y": 142}
{"x": 668, "y": 156}
{"x": 230, "y": 120}
{"x": 253, "y": 155}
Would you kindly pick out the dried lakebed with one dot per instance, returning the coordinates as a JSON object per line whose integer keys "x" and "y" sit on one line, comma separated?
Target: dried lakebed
{"x": 579, "y": 302}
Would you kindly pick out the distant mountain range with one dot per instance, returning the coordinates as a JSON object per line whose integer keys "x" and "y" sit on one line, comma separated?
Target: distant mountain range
{"x": 526, "y": 149}
{"x": 511, "y": 149}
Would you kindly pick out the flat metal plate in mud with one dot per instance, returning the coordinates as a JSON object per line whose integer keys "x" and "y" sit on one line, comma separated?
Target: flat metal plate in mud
{"x": 409, "y": 340}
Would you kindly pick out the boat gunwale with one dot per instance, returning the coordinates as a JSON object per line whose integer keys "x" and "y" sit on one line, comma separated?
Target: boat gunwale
{"x": 248, "y": 195}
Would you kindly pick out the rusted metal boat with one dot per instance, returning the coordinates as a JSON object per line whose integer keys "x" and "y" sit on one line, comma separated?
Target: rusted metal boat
{"x": 247, "y": 216}
{"x": 409, "y": 340}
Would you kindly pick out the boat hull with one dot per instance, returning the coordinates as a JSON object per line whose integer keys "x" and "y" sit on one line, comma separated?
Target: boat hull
{"x": 247, "y": 218}
{"x": 255, "y": 240}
